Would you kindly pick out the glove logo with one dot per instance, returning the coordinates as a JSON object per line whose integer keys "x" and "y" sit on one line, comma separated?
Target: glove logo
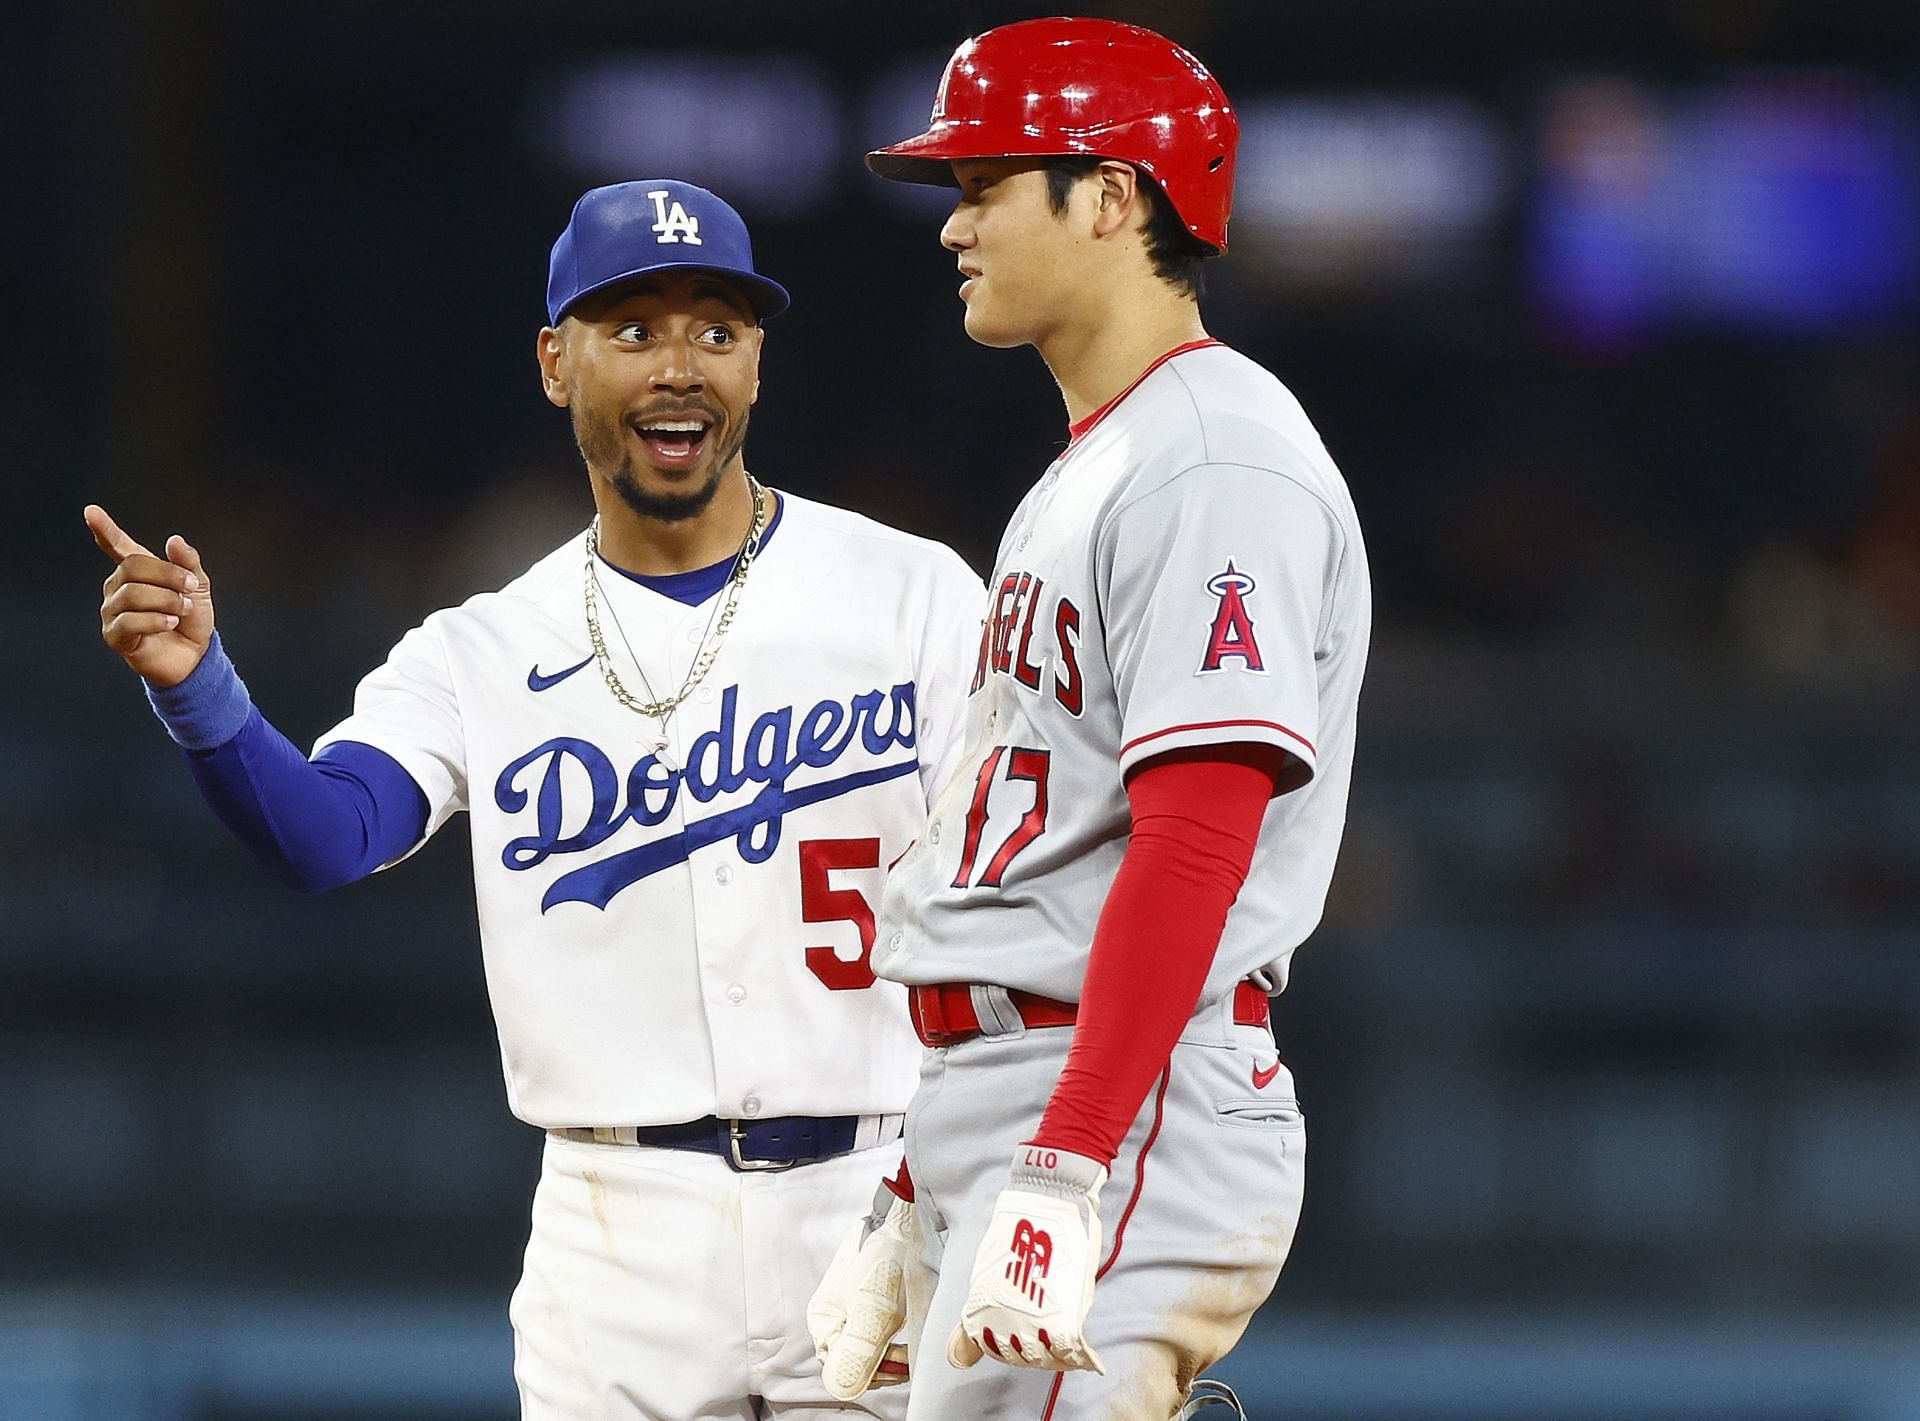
{"x": 673, "y": 224}
{"x": 1032, "y": 1252}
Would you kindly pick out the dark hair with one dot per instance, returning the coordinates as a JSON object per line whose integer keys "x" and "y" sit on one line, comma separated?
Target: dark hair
{"x": 1175, "y": 252}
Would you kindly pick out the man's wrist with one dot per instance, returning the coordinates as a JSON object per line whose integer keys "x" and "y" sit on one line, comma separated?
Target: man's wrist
{"x": 1060, "y": 1131}
{"x": 1045, "y": 1170}
{"x": 209, "y": 707}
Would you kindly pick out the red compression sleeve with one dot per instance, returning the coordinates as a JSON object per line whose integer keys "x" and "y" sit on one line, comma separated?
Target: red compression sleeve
{"x": 1195, "y": 823}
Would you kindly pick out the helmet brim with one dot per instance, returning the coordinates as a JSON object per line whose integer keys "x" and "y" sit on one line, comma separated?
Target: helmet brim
{"x": 927, "y": 158}
{"x": 911, "y": 168}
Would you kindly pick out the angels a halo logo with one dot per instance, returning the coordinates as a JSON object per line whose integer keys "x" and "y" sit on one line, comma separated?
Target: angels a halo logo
{"x": 1230, "y": 637}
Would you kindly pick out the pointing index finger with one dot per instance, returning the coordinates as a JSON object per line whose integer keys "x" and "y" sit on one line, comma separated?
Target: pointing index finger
{"x": 109, "y": 536}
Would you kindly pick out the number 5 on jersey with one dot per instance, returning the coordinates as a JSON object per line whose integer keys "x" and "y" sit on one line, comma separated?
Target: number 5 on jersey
{"x": 821, "y": 902}
{"x": 1028, "y": 766}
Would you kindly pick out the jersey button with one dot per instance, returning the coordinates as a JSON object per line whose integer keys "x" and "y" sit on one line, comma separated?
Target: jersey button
{"x": 933, "y": 834}
{"x": 723, "y": 875}
{"x": 694, "y": 634}
{"x": 1021, "y": 546}
{"x": 750, "y": 1107}
{"x": 704, "y": 695}
{"x": 736, "y": 994}
{"x": 1052, "y": 478}
{"x": 895, "y": 941}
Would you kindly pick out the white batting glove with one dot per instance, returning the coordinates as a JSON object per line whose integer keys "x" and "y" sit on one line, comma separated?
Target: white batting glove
{"x": 1033, "y": 1276}
{"x": 861, "y": 1304}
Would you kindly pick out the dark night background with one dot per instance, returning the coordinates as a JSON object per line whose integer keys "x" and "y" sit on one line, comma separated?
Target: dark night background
{"x": 1610, "y": 1041}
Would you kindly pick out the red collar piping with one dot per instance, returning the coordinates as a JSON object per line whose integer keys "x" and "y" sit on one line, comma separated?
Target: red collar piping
{"x": 1080, "y": 428}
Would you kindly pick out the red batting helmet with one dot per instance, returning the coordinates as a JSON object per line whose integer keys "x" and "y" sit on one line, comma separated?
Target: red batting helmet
{"x": 1042, "y": 88}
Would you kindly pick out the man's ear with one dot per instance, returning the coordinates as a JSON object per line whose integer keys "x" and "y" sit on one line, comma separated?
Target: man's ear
{"x": 551, "y": 351}
{"x": 1121, "y": 203}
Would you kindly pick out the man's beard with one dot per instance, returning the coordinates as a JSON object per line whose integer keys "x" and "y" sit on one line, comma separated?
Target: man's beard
{"x": 600, "y": 443}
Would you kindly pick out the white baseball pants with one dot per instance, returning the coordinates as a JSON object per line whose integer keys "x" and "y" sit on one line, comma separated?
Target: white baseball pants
{"x": 660, "y": 1285}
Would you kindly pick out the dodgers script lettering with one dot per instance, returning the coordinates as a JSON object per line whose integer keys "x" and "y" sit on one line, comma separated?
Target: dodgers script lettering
{"x": 720, "y": 762}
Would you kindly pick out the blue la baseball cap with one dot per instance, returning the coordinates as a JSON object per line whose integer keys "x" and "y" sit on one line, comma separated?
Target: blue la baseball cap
{"x": 633, "y": 229}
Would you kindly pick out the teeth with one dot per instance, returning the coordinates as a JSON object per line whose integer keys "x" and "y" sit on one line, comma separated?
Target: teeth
{"x": 674, "y": 426}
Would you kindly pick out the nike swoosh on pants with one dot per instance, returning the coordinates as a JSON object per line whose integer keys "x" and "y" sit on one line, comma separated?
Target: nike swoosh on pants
{"x": 1262, "y": 1079}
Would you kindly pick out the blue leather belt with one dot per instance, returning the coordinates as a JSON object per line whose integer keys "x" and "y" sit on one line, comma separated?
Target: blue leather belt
{"x": 747, "y": 1146}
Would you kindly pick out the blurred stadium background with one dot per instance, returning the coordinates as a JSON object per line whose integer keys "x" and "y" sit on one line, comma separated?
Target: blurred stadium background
{"x": 1611, "y": 1039}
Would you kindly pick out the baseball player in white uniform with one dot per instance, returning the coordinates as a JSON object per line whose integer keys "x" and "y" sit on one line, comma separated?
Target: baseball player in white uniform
{"x": 689, "y": 741}
{"x": 1159, "y": 737}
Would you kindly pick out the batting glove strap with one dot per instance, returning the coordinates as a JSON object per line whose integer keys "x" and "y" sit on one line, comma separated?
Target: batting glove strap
{"x": 1061, "y": 1173}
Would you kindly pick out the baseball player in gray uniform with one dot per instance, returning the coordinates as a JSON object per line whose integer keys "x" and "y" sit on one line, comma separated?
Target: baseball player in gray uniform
{"x": 1143, "y": 825}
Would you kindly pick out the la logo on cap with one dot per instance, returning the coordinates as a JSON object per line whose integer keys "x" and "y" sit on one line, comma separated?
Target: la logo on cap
{"x": 675, "y": 223}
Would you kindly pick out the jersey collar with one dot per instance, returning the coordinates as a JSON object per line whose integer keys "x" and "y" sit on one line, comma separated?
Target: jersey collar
{"x": 1080, "y": 428}
{"x": 694, "y": 588}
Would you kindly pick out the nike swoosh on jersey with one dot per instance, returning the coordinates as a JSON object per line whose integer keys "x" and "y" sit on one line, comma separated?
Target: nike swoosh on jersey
{"x": 1263, "y": 1079}
{"x": 537, "y": 682}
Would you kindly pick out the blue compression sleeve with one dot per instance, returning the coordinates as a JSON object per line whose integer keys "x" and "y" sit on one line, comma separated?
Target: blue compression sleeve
{"x": 315, "y": 824}
{"x": 206, "y": 709}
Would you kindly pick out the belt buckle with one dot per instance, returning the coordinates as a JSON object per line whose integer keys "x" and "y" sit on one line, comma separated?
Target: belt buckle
{"x": 752, "y": 1166}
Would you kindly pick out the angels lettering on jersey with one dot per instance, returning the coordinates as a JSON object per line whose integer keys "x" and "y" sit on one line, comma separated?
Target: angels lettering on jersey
{"x": 578, "y": 797}
{"x": 1026, "y": 629}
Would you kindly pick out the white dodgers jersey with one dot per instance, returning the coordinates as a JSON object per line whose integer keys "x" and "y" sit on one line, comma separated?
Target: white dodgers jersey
{"x": 674, "y": 936}
{"x": 1188, "y": 572}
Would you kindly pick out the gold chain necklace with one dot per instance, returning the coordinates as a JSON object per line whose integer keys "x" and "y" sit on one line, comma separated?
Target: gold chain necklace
{"x": 709, "y": 643}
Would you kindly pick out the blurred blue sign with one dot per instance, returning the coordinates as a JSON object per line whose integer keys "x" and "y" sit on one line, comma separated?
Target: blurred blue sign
{"x": 764, "y": 133}
{"x": 1768, "y": 203}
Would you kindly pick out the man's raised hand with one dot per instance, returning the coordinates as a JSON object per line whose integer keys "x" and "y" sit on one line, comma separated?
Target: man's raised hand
{"x": 157, "y": 613}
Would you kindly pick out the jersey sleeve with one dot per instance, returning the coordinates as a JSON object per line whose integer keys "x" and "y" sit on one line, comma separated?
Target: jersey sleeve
{"x": 1215, "y": 590}
{"x": 409, "y": 709}
{"x": 948, "y": 642}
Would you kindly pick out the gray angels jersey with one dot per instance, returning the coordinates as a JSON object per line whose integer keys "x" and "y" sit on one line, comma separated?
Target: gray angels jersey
{"x": 1188, "y": 572}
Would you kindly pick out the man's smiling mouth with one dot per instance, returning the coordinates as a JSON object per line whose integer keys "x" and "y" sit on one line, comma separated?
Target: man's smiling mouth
{"x": 674, "y": 442}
